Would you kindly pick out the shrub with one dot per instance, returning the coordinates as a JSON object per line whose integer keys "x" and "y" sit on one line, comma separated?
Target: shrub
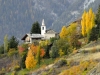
{"x": 13, "y": 73}
{"x": 54, "y": 52}
{"x": 23, "y": 58}
{"x": 17, "y": 68}
{"x": 60, "y": 63}
{"x": 12, "y": 52}
{"x": 61, "y": 53}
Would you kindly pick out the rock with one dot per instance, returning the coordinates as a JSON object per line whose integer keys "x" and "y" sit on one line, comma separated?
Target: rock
{"x": 60, "y": 63}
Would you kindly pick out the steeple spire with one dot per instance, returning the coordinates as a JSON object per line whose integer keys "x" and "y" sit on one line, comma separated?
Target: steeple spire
{"x": 43, "y": 24}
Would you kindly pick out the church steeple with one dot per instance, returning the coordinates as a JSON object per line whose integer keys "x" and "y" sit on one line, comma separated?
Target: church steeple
{"x": 43, "y": 28}
{"x": 43, "y": 24}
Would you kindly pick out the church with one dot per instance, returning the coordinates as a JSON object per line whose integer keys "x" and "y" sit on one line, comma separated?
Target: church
{"x": 45, "y": 35}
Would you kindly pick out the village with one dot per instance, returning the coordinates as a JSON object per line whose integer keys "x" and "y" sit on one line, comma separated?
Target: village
{"x": 74, "y": 50}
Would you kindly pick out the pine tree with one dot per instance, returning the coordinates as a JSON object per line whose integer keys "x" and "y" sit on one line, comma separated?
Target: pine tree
{"x": 35, "y": 28}
{"x": 13, "y": 42}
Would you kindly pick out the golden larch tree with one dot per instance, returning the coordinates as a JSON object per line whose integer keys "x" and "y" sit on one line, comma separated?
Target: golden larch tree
{"x": 63, "y": 32}
{"x": 30, "y": 61}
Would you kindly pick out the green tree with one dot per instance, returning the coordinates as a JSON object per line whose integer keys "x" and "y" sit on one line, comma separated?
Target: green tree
{"x": 97, "y": 22}
{"x": 13, "y": 42}
{"x": 5, "y": 43}
{"x": 93, "y": 35}
{"x": 35, "y": 28}
{"x": 2, "y": 49}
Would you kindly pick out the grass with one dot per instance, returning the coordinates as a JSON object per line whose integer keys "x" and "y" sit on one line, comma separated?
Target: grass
{"x": 23, "y": 72}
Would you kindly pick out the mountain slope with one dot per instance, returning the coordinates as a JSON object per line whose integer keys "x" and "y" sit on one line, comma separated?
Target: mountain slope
{"x": 17, "y": 16}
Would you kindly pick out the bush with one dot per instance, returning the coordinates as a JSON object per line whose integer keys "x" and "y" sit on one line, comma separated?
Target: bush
{"x": 13, "y": 73}
{"x": 17, "y": 68}
{"x": 12, "y": 52}
{"x": 54, "y": 52}
{"x": 23, "y": 58}
{"x": 60, "y": 63}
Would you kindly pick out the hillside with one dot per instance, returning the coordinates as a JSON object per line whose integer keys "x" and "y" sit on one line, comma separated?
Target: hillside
{"x": 17, "y": 16}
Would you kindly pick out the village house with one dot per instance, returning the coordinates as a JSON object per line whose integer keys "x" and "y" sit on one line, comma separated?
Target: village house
{"x": 45, "y": 35}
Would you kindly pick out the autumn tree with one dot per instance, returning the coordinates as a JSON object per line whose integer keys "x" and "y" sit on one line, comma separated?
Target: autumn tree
{"x": 5, "y": 44}
{"x": 87, "y": 22}
{"x": 30, "y": 61}
{"x": 63, "y": 33}
{"x": 35, "y": 28}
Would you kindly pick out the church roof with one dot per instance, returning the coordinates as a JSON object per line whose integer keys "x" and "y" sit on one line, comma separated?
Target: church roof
{"x": 50, "y": 31}
{"x": 32, "y": 36}
{"x": 36, "y": 36}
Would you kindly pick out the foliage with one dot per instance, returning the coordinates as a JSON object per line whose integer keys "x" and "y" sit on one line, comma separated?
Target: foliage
{"x": 23, "y": 58}
{"x": 74, "y": 41}
{"x": 12, "y": 52}
{"x": 22, "y": 48}
{"x": 5, "y": 44}
{"x": 35, "y": 28}
{"x": 87, "y": 22}
{"x": 53, "y": 39}
{"x": 93, "y": 34}
{"x": 64, "y": 45}
{"x": 35, "y": 50}
{"x": 47, "y": 49}
{"x": 63, "y": 32}
{"x": 13, "y": 42}
{"x": 38, "y": 55}
{"x": 17, "y": 68}
{"x": 46, "y": 46}
{"x": 13, "y": 73}
{"x": 83, "y": 67}
{"x": 30, "y": 61}
{"x": 61, "y": 53}
{"x": 97, "y": 22}
{"x": 2, "y": 49}
{"x": 54, "y": 51}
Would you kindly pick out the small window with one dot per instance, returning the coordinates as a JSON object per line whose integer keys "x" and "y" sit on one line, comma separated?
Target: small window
{"x": 42, "y": 28}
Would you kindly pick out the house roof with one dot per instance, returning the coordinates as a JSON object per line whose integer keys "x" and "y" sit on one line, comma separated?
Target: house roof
{"x": 50, "y": 31}
{"x": 32, "y": 36}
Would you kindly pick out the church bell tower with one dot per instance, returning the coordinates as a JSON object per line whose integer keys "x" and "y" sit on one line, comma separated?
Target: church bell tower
{"x": 43, "y": 28}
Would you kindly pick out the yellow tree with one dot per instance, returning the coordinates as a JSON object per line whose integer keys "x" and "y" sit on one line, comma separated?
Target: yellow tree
{"x": 30, "y": 61}
{"x": 63, "y": 32}
{"x": 87, "y": 22}
{"x": 83, "y": 23}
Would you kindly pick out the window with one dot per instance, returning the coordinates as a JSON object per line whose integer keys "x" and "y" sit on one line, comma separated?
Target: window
{"x": 42, "y": 28}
